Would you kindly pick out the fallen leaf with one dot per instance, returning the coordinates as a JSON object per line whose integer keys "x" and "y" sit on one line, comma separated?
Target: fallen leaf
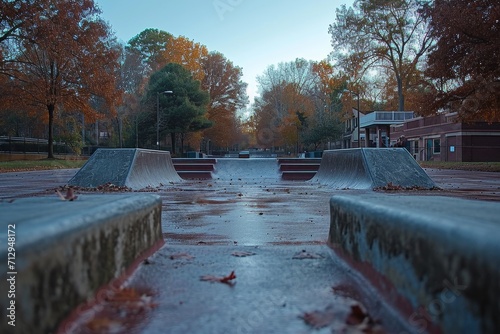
{"x": 319, "y": 319}
{"x": 132, "y": 296}
{"x": 242, "y": 254}
{"x": 226, "y": 279}
{"x": 359, "y": 321}
{"x": 306, "y": 255}
{"x": 70, "y": 196}
{"x": 357, "y": 315}
{"x": 104, "y": 325}
{"x": 181, "y": 256}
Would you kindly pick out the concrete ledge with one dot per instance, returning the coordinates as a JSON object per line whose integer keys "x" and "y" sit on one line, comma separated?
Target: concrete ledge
{"x": 435, "y": 259}
{"x": 65, "y": 251}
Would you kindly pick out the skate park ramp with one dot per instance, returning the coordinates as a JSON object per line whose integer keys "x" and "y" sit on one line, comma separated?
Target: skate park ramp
{"x": 253, "y": 169}
{"x": 133, "y": 168}
{"x": 369, "y": 168}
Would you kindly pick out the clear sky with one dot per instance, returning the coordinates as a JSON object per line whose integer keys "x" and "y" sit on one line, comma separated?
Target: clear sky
{"x": 253, "y": 34}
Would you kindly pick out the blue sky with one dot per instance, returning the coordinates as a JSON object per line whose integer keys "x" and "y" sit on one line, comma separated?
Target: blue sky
{"x": 253, "y": 34}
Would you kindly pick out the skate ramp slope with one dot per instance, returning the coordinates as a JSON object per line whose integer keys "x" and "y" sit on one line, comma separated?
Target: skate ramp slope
{"x": 253, "y": 169}
{"x": 133, "y": 168}
{"x": 369, "y": 168}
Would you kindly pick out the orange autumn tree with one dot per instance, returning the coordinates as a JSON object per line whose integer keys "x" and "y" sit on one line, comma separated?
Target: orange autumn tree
{"x": 65, "y": 63}
{"x": 222, "y": 80}
{"x": 326, "y": 125}
{"x": 183, "y": 51}
{"x": 299, "y": 109}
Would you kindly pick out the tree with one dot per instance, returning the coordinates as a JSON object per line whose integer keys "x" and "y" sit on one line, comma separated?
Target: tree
{"x": 180, "y": 112}
{"x": 190, "y": 55}
{"x": 132, "y": 78}
{"x": 64, "y": 61}
{"x": 464, "y": 67}
{"x": 150, "y": 45}
{"x": 390, "y": 34}
{"x": 222, "y": 80}
{"x": 299, "y": 104}
{"x": 326, "y": 125}
{"x": 13, "y": 15}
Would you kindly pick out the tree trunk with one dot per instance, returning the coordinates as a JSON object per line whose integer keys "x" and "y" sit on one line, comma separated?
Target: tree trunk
{"x": 50, "y": 146}
{"x": 401, "y": 97}
{"x": 182, "y": 143}
{"x": 172, "y": 137}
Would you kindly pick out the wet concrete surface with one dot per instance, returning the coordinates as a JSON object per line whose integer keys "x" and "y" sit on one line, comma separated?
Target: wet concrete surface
{"x": 206, "y": 222}
{"x": 30, "y": 184}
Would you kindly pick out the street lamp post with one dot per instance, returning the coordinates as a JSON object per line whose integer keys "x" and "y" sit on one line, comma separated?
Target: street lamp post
{"x": 359, "y": 116}
{"x": 158, "y": 116}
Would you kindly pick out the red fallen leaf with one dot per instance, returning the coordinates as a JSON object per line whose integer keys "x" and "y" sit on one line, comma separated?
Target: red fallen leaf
{"x": 135, "y": 298}
{"x": 179, "y": 256}
{"x": 306, "y": 255}
{"x": 357, "y": 315}
{"x": 70, "y": 196}
{"x": 104, "y": 325}
{"x": 319, "y": 319}
{"x": 226, "y": 279}
{"x": 359, "y": 321}
{"x": 242, "y": 254}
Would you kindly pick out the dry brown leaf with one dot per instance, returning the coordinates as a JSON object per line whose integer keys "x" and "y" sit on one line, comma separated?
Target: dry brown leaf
{"x": 226, "y": 279}
{"x": 242, "y": 254}
{"x": 306, "y": 255}
{"x": 319, "y": 319}
{"x": 181, "y": 256}
{"x": 70, "y": 196}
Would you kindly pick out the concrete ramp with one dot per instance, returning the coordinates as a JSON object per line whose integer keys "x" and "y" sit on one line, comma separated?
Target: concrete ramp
{"x": 247, "y": 169}
{"x": 133, "y": 168}
{"x": 368, "y": 168}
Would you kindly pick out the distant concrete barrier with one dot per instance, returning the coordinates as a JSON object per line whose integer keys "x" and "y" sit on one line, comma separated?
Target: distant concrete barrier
{"x": 253, "y": 169}
{"x": 368, "y": 168}
{"x": 435, "y": 259}
{"x": 133, "y": 168}
{"x": 63, "y": 252}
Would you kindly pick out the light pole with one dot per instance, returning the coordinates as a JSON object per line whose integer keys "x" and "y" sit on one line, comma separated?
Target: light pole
{"x": 359, "y": 116}
{"x": 158, "y": 116}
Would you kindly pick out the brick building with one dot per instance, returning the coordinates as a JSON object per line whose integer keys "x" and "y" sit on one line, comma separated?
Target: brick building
{"x": 443, "y": 138}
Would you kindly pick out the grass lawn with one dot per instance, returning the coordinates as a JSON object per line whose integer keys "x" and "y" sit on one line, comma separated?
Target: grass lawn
{"x": 472, "y": 166}
{"x": 29, "y": 165}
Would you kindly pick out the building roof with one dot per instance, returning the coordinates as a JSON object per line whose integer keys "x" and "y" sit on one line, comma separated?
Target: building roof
{"x": 385, "y": 118}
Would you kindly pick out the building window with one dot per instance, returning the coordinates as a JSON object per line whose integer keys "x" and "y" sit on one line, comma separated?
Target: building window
{"x": 437, "y": 146}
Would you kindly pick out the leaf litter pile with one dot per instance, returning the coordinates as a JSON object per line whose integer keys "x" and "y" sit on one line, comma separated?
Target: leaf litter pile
{"x": 117, "y": 311}
{"x": 356, "y": 321}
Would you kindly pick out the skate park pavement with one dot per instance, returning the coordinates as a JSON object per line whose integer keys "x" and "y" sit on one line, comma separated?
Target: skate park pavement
{"x": 274, "y": 236}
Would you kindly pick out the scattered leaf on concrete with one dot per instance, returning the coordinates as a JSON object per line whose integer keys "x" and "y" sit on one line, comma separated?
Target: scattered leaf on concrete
{"x": 181, "y": 256}
{"x": 357, "y": 315}
{"x": 118, "y": 312}
{"x": 226, "y": 279}
{"x": 70, "y": 196}
{"x": 104, "y": 325}
{"x": 359, "y": 321}
{"x": 306, "y": 255}
{"x": 133, "y": 298}
{"x": 319, "y": 319}
{"x": 242, "y": 254}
